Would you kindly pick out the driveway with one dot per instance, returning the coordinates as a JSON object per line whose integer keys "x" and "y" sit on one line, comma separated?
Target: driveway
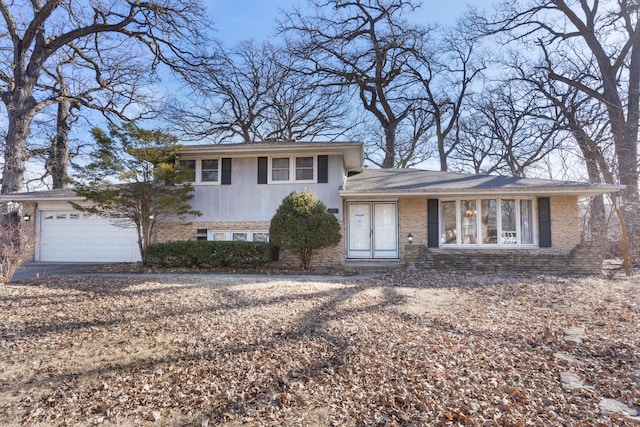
{"x": 31, "y": 270}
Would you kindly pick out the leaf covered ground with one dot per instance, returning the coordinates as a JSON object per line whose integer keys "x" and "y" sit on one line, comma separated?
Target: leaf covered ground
{"x": 406, "y": 348}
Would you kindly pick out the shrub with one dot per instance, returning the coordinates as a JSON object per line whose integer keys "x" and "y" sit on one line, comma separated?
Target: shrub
{"x": 302, "y": 224}
{"x": 208, "y": 254}
{"x": 15, "y": 248}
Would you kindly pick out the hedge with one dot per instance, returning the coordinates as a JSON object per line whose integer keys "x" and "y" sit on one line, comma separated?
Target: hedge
{"x": 208, "y": 254}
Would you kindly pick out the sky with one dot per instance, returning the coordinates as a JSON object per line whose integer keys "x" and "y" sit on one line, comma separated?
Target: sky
{"x": 237, "y": 20}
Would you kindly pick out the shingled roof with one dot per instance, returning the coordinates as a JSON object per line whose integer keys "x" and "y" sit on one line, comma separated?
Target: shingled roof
{"x": 416, "y": 182}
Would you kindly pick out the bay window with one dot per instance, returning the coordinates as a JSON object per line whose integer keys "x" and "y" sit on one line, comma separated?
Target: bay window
{"x": 487, "y": 222}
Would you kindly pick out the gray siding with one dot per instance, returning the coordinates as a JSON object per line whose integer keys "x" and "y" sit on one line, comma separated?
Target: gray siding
{"x": 245, "y": 200}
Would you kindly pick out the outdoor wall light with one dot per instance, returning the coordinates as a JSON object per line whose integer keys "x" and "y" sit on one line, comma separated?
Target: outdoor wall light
{"x": 26, "y": 217}
{"x": 410, "y": 238}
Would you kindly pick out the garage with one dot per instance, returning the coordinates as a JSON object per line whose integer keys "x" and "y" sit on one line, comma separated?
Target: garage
{"x": 73, "y": 236}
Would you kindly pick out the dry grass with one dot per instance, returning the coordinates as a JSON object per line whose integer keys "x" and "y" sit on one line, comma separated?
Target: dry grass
{"x": 408, "y": 348}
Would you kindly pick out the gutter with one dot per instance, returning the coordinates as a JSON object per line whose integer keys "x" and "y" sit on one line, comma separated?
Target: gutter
{"x": 475, "y": 192}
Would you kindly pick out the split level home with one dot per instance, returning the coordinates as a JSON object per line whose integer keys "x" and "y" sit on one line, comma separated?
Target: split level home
{"x": 388, "y": 216}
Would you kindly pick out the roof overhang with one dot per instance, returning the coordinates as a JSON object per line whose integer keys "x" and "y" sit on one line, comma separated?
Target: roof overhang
{"x": 352, "y": 152}
{"x": 42, "y": 196}
{"x": 452, "y": 193}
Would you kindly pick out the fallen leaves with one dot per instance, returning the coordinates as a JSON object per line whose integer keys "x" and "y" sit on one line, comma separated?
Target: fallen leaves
{"x": 406, "y": 348}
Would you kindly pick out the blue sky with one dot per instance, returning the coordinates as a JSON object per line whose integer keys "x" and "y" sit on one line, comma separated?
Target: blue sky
{"x": 237, "y": 20}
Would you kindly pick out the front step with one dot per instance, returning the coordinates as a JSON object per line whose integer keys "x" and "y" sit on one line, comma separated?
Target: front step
{"x": 369, "y": 266}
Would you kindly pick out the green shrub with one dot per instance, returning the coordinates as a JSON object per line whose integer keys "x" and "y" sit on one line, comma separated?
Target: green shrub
{"x": 302, "y": 224}
{"x": 208, "y": 254}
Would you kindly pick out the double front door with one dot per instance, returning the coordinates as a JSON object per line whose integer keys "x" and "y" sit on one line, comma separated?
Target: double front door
{"x": 373, "y": 230}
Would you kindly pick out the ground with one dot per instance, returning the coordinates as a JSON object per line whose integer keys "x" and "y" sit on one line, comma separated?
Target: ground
{"x": 406, "y": 348}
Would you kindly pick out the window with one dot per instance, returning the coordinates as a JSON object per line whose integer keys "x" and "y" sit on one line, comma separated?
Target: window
{"x": 201, "y": 171}
{"x": 509, "y": 233}
{"x": 209, "y": 170}
{"x": 293, "y": 169}
{"x": 260, "y": 236}
{"x": 448, "y": 234}
{"x": 238, "y": 236}
{"x": 304, "y": 168}
{"x": 188, "y": 168}
{"x": 217, "y": 235}
{"x": 487, "y": 222}
{"x": 526, "y": 222}
{"x": 280, "y": 169}
{"x": 469, "y": 215}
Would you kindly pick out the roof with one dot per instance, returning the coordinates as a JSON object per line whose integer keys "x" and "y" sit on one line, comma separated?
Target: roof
{"x": 408, "y": 183}
{"x": 63, "y": 195}
{"x": 416, "y": 182}
{"x": 352, "y": 152}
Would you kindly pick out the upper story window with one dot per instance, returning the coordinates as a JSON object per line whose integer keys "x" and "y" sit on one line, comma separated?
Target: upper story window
{"x": 209, "y": 170}
{"x": 188, "y": 167}
{"x": 201, "y": 171}
{"x": 280, "y": 169}
{"x": 487, "y": 222}
{"x": 293, "y": 169}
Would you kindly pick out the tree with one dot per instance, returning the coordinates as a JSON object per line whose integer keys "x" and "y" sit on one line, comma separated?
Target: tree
{"x": 253, "y": 93}
{"x": 445, "y": 74}
{"x": 37, "y": 31}
{"x": 128, "y": 175}
{"x": 16, "y": 246}
{"x": 302, "y": 224}
{"x": 519, "y": 127}
{"x": 605, "y": 37}
{"x": 364, "y": 45}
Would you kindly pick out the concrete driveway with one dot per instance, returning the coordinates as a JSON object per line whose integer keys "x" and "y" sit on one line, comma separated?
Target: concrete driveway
{"x": 31, "y": 270}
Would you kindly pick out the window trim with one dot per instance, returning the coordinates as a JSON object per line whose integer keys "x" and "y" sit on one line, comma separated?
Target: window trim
{"x": 478, "y": 223}
{"x": 198, "y": 171}
{"x": 292, "y": 170}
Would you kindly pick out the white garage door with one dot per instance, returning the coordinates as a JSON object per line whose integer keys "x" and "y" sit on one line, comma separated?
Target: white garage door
{"x": 72, "y": 236}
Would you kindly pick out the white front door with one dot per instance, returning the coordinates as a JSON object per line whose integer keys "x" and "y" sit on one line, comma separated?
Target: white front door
{"x": 373, "y": 230}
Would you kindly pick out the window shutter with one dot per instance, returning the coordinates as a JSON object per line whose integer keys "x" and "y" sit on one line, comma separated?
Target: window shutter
{"x": 323, "y": 169}
{"x": 226, "y": 171}
{"x": 263, "y": 170}
{"x": 544, "y": 222}
{"x": 433, "y": 240}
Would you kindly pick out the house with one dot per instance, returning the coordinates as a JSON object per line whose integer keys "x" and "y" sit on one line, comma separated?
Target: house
{"x": 426, "y": 218}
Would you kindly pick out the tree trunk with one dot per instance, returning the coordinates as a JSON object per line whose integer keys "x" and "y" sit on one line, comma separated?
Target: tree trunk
{"x": 389, "y": 147}
{"x": 15, "y": 151}
{"x": 57, "y": 163}
{"x": 444, "y": 167}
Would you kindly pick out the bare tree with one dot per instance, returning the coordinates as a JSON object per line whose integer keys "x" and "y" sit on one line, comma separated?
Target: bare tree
{"x": 37, "y": 32}
{"x": 604, "y": 34}
{"x": 412, "y": 140}
{"x": 516, "y": 130}
{"x": 252, "y": 93}
{"x": 112, "y": 82}
{"x": 364, "y": 45}
{"x": 445, "y": 74}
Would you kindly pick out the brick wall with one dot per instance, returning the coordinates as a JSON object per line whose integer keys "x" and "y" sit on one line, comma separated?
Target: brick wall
{"x": 565, "y": 224}
{"x": 413, "y": 219}
{"x": 30, "y": 227}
